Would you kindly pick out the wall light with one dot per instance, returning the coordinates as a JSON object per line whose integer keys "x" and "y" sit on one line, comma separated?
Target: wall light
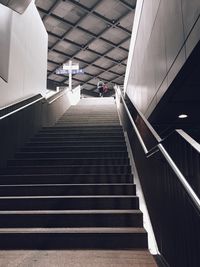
{"x": 183, "y": 116}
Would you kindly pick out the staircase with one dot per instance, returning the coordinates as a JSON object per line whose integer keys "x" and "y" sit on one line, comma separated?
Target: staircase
{"x": 71, "y": 186}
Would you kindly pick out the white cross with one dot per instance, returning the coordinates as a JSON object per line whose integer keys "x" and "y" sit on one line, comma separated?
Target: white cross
{"x": 70, "y": 67}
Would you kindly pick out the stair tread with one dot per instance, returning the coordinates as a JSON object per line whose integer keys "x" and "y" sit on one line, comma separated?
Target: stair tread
{"x": 71, "y": 165}
{"x": 137, "y": 211}
{"x": 43, "y": 159}
{"x": 68, "y": 152}
{"x": 76, "y": 230}
{"x": 63, "y": 175}
{"x": 69, "y": 185}
{"x": 85, "y": 146}
{"x": 69, "y": 197}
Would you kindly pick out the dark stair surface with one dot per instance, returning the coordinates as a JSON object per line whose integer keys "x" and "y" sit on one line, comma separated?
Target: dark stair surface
{"x": 71, "y": 186}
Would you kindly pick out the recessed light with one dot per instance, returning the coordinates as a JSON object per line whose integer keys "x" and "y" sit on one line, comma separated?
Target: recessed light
{"x": 183, "y": 116}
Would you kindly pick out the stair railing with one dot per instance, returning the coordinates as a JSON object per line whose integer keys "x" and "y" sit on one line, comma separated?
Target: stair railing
{"x": 22, "y": 104}
{"x": 185, "y": 152}
{"x": 20, "y": 120}
{"x": 172, "y": 202}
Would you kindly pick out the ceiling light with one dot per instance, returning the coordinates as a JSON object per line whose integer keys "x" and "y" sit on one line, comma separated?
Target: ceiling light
{"x": 183, "y": 116}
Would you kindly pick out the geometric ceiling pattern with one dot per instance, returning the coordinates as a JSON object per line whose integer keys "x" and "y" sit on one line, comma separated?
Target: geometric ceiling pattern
{"x": 93, "y": 33}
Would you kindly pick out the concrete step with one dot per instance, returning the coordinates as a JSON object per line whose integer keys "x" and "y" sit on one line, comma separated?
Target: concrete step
{"x": 73, "y": 238}
{"x": 97, "y": 120}
{"x": 92, "y": 135}
{"x": 70, "y": 169}
{"x": 66, "y": 189}
{"x": 73, "y": 148}
{"x": 85, "y": 128}
{"x": 72, "y": 218}
{"x": 82, "y": 124}
{"x": 77, "y": 142}
{"x": 87, "y": 120}
{"x": 80, "y": 130}
{"x": 95, "y": 178}
{"x": 77, "y": 154}
{"x": 66, "y": 161}
{"x": 77, "y": 138}
{"x": 68, "y": 202}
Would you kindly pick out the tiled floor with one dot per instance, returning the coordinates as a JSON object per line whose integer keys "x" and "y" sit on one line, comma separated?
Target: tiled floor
{"x": 76, "y": 258}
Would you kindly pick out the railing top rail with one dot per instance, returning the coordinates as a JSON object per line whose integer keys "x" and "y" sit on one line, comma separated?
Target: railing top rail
{"x": 13, "y": 108}
{"x": 17, "y": 106}
{"x": 135, "y": 128}
{"x": 19, "y": 101}
{"x": 153, "y": 132}
{"x": 189, "y": 139}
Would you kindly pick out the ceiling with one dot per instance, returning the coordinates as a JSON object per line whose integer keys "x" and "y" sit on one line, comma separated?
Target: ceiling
{"x": 94, "y": 33}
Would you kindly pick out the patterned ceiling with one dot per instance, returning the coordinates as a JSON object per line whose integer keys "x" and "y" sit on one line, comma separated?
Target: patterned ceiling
{"x": 94, "y": 33}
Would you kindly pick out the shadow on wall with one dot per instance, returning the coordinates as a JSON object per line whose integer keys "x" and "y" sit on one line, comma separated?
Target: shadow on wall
{"x": 19, "y": 126}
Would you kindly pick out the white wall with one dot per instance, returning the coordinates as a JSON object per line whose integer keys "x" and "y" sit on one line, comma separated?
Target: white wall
{"x": 27, "y": 57}
{"x": 167, "y": 33}
{"x": 5, "y": 32}
{"x": 74, "y": 95}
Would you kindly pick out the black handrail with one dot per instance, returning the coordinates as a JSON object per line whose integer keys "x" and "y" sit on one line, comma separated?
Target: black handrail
{"x": 15, "y": 107}
{"x": 19, "y": 105}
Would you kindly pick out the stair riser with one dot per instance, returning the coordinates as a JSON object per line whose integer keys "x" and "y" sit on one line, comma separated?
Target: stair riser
{"x": 87, "y": 117}
{"x": 92, "y": 132}
{"x": 81, "y": 141}
{"x": 70, "y": 203}
{"x": 64, "y": 190}
{"x": 70, "y": 220}
{"x": 73, "y": 241}
{"x": 85, "y": 128}
{"x": 74, "y": 143}
{"x": 85, "y": 169}
{"x": 73, "y": 149}
{"x": 94, "y": 135}
{"x": 82, "y": 124}
{"x": 93, "y": 154}
{"x": 79, "y": 162}
{"x": 65, "y": 179}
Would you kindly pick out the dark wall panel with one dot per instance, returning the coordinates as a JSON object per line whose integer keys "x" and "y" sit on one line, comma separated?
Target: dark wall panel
{"x": 17, "y": 128}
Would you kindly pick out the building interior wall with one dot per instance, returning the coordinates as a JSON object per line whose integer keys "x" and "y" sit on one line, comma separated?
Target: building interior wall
{"x": 27, "y": 59}
{"x": 5, "y": 32}
{"x": 167, "y": 33}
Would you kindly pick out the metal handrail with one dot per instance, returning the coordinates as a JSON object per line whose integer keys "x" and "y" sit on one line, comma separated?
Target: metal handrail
{"x": 135, "y": 128}
{"x": 21, "y": 108}
{"x": 189, "y": 139}
{"x": 15, "y": 110}
{"x": 160, "y": 148}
